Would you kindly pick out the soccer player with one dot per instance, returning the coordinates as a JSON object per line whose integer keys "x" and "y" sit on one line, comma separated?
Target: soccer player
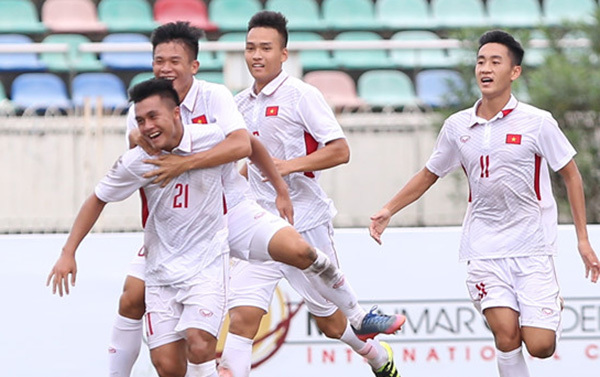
{"x": 509, "y": 232}
{"x": 253, "y": 232}
{"x": 185, "y": 237}
{"x": 295, "y": 124}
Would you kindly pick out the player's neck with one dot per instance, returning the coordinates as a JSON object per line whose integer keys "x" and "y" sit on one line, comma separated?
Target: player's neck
{"x": 492, "y": 105}
{"x": 184, "y": 92}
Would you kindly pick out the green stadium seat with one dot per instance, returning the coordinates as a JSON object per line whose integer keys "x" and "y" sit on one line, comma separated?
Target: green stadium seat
{"x": 138, "y": 78}
{"x": 361, "y": 59}
{"x": 404, "y": 14}
{"x": 193, "y": 11}
{"x": 458, "y": 13}
{"x": 535, "y": 56}
{"x": 215, "y": 77}
{"x": 127, "y": 16}
{"x": 559, "y": 11}
{"x": 514, "y": 13}
{"x": 387, "y": 89}
{"x": 74, "y": 60}
{"x": 233, "y": 15}
{"x": 209, "y": 61}
{"x": 313, "y": 59}
{"x": 350, "y": 15}
{"x": 19, "y": 16}
{"x": 420, "y": 58}
{"x": 230, "y": 37}
{"x": 6, "y": 106}
{"x": 301, "y": 14}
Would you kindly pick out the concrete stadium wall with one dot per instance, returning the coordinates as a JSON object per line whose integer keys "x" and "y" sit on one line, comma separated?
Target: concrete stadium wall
{"x": 50, "y": 165}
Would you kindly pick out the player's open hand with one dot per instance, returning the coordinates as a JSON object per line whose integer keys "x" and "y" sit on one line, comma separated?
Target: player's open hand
{"x": 590, "y": 259}
{"x": 168, "y": 166}
{"x": 283, "y": 166}
{"x": 285, "y": 207}
{"x": 136, "y": 138}
{"x": 379, "y": 222}
{"x": 59, "y": 275}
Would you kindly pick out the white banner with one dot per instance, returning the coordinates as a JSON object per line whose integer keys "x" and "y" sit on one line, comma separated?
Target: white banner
{"x": 415, "y": 272}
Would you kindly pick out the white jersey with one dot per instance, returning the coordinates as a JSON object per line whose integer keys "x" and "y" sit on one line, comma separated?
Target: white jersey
{"x": 511, "y": 211}
{"x": 205, "y": 103}
{"x": 291, "y": 119}
{"x": 185, "y": 229}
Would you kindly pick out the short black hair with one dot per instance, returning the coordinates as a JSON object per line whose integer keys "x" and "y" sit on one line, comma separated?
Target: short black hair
{"x": 161, "y": 87}
{"x": 273, "y": 20}
{"x": 181, "y": 32}
{"x": 515, "y": 49}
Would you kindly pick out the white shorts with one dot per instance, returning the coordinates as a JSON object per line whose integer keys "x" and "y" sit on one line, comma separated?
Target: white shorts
{"x": 137, "y": 266}
{"x": 527, "y": 285}
{"x": 253, "y": 283}
{"x": 250, "y": 230}
{"x": 171, "y": 310}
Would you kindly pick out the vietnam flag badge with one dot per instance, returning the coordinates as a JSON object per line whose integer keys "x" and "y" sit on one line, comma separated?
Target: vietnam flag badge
{"x": 272, "y": 111}
{"x": 513, "y": 139}
{"x": 200, "y": 120}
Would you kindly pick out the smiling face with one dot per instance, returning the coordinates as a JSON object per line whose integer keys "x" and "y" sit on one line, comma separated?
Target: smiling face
{"x": 264, "y": 55}
{"x": 172, "y": 61}
{"x": 495, "y": 70}
{"x": 158, "y": 119}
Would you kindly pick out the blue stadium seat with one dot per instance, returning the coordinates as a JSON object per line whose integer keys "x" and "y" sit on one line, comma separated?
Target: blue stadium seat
{"x": 437, "y": 87}
{"x": 137, "y": 61}
{"x": 39, "y": 91}
{"x": 107, "y": 86}
{"x": 19, "y": 62}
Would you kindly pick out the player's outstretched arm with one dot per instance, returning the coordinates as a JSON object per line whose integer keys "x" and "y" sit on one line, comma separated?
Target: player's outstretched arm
{"x": 574, "y": 184}
{"x": 334, "y": 153}
{"x": 66, "y": 265}
{"x": 235, "y": 147}
{"x": 412, "y": 191}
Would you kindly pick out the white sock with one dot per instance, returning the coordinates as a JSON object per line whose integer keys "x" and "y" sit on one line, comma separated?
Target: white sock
{"x": 329, "y": 281}
{"x": 124, "y": 346}
{"x": 207, "y": 369}
{"x": 512, "y": 363}
{"x": 237, "y": 355}
{"x": 371, "y": 350}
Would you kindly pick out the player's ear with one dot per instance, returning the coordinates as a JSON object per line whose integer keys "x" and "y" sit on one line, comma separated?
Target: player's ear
{"x": 516, "y": 72}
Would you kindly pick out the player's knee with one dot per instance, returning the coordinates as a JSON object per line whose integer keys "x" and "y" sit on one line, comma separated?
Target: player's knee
{"x": 541, "y": 350}
{"x": 132, "y": 305}
{"x": 332, "y": 329}
{"x": 200, "y": 349}
{"x": 507, "y": 340}
{"x": 303, "y": 253}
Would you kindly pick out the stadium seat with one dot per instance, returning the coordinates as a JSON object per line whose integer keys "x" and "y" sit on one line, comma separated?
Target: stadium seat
{"x": 559, "y": 11}
{"x": 387, "y": 89}
{"x": 127, "y": 16}
{"x": 436, "y": 87}
{"x": 535, "y": 56}
{"x": 6, "y": 106}
{"x": 138, "y": 78}
{"x": 230, "y": 37}
{"x": 313, "y": 59}
{"x": 420, "y": 58}
{"x": 301, "y": 14}
{"x": 337, "y": 87}
{"x": 216, "y": 77}
{"x": 514, "y": 13}
{"x": 458, "y": 13}
{"x": 350, "y": 14}
{"x": 71, "y": 16}
{"x": 19, "y": 16}
{"x": 194, "y": 11}
{"x": 22, "y": 61}
{"x": 74, "y": 60}
{"x": 107, "y": 86}
{"x": 233, "y": 15}
{"x": 136, "y": 61}
{"x": 404, "y": 14}
{"x": 39, "y": 91}
{"x": 209, "y": 61}
{"x": 361, "y": 59}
